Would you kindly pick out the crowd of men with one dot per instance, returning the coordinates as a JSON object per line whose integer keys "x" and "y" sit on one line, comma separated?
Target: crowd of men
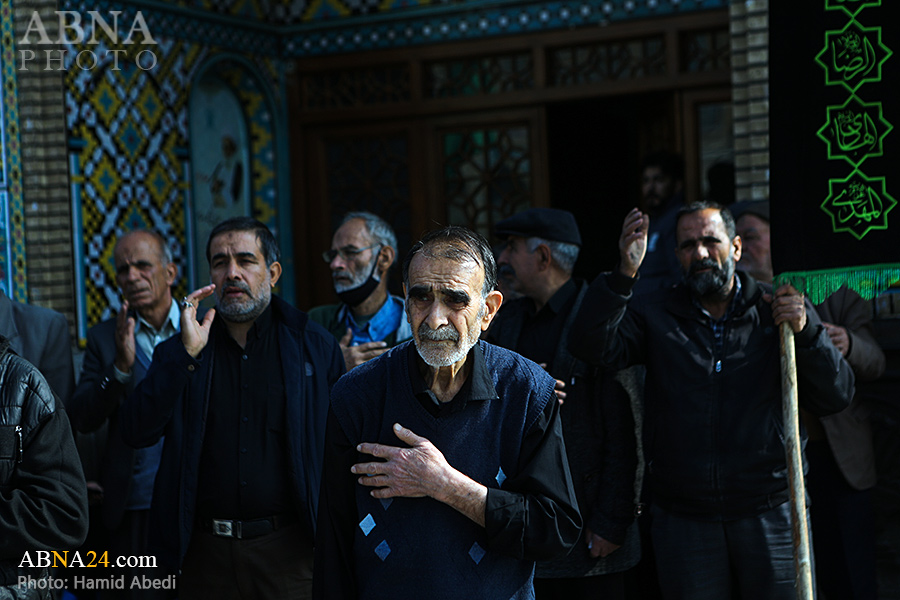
{"x": 614, "y": 439}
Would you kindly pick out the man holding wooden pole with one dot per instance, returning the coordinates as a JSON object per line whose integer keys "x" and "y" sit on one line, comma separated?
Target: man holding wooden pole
{"x": 714, "y": 431}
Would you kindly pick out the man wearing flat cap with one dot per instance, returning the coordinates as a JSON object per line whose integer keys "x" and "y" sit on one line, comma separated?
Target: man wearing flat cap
{"x": 542, "y": 245}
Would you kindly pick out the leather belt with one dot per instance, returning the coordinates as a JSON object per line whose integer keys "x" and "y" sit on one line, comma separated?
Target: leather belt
{"x": 243, "y": 530}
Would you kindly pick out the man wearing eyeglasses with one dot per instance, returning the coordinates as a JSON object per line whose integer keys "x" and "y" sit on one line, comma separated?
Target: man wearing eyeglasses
{"x": 368, "y": 320}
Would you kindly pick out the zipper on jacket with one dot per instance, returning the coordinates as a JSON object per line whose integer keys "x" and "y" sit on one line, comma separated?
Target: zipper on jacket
{"x": 20, "y": 446}
{"x": 720, "y": 351}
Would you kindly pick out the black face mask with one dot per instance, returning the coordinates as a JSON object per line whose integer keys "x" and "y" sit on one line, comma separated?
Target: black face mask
{"x": 356, "y": 296}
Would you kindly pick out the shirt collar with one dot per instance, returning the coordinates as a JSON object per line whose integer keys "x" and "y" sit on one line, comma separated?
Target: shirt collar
{"x": 172, "y": 322}
{"x": 259, "y": 328}
{"x": 563, "y": 294}
{"x": 478, "y": 387}
{"x": 382, "y": 324}
{"x": 262, "y": 324}
{"x": 556, "y": 302}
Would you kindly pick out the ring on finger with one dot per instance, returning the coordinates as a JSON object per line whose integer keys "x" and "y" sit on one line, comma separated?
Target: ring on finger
{"x": 185, "y": 302}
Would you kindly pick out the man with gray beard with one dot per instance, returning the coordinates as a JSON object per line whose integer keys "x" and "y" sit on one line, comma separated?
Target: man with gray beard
{"x": 445, "y": 470}
{"x": 368, "y": 320}
{"x": 713, "y": 419}
{"x": 241, "y": 397}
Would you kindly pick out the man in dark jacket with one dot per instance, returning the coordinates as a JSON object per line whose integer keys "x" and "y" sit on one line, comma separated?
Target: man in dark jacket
{"x": 241, "y": 398}
{"x": 117, "y": 357}
{"x": 721, "y": 520}
{"x": 542, "y": 245}
{"x": 43, "y": 498}
{"x": 40, "y": 336}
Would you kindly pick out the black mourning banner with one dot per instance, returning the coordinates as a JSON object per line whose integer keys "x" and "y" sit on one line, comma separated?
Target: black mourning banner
{"x": 834, "y": 93}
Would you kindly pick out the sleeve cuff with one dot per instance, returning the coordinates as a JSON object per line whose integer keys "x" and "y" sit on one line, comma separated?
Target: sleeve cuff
{"x": 187, "y": 361}
{"x": 608, "y": 529}
{"x": 620, "y": 284}
{"x": 120, "y": 376}
{"x": 808, "y": 334}
{"x": 500, "y": 510}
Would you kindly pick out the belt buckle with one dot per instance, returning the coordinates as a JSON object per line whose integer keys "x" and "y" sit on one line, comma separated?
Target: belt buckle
{"x": 223, "y": 528}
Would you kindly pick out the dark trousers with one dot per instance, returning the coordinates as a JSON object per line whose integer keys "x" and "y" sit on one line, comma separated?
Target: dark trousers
{"x": 129, "y": 541}
{"x": 275, "y": 565}
{"x": 598, "y": 587}
{"x": 746, "y": 559}
{"x": 843, "y": 523}
{"x": 642, "y": 582}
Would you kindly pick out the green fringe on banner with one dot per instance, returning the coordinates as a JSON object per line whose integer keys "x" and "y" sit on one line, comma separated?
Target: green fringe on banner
{"x": 867, "y": 281}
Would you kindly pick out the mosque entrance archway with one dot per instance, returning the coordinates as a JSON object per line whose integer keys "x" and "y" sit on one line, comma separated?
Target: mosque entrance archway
{"x": 469, "y": 133}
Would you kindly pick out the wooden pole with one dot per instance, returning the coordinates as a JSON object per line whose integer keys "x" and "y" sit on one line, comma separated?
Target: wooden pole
{"x": 792, "y": 449}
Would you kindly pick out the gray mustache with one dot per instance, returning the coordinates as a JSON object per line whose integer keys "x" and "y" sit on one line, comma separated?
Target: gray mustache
{"x": 236, "y": 285}
{"x": 438, "y": 335}
{"x": 706, "y": 263}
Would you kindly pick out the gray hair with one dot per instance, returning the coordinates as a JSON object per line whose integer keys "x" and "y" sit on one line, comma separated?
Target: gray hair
{"x": 562, "y": 254}
{"x": 458, "y": 244}
{"x": 165, "y": 253}
{"x": 378, "y": 229}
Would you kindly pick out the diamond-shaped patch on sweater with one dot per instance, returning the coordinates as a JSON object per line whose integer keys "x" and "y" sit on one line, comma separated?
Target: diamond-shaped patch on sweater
{"x": 386, "y": 502}
{"x": 476, "y": 552}
{"x": 367, "y": 524}
{"x": 501, "y": 477}
{"x": 382, "y": 550}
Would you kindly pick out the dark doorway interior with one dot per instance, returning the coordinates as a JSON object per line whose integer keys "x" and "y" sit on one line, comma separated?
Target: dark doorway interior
{"x": 594, "y": 150}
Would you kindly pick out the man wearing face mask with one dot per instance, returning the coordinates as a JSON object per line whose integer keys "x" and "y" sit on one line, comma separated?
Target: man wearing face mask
{"x": 712, "y": 404}
{"x": 368, "y": 320}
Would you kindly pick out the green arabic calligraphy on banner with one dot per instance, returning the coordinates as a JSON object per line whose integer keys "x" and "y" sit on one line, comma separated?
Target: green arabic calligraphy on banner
{"x": 853, "y": 56}
{"x": 832, "y": 146}
{"x": 855, "y": 131}
{"x": 858, "y": 204}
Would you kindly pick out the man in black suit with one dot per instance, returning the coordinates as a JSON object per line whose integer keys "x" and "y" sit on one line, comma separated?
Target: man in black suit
{"x": 119, "y": 351}
{"x": 40, "y": 336}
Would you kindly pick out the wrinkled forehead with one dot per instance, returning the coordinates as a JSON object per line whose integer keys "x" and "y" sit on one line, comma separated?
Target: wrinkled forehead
{"x": 438, "y": 271}
{"x": 137, "y": 246}
{"x": 351, "y": 233}
{"x": 235, "y": 242}
{"x": 700, "y": 224}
